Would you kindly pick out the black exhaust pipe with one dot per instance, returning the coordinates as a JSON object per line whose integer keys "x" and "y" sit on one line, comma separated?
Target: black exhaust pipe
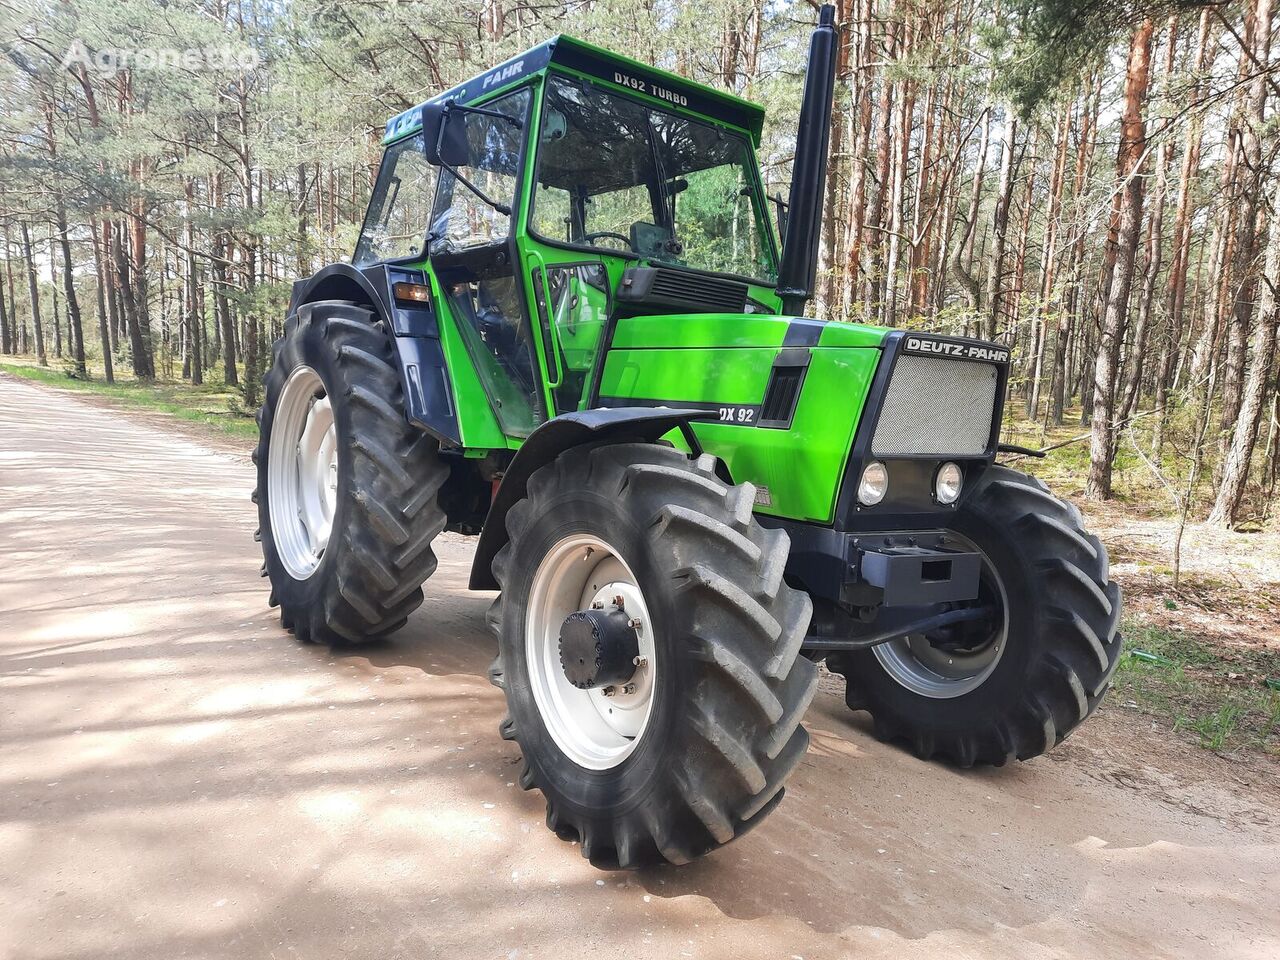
{"x": 799, "y": 269}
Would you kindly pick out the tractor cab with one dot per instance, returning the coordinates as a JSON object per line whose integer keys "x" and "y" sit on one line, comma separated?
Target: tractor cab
{"x": 559, "y": 190}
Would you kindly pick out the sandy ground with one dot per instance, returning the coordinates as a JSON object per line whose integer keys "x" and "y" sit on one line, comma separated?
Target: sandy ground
{"x": 178, "y": 778}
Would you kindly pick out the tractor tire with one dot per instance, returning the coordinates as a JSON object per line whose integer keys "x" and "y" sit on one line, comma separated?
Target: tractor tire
{"x": 1055, "y": 661}
{"x": 347, "y": 489}
{"x": 721, "y": 681}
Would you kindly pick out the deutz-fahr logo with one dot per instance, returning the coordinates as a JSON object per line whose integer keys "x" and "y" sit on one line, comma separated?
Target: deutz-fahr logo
{"x": 502, "y": 75}
{"x": 961, "y": 351}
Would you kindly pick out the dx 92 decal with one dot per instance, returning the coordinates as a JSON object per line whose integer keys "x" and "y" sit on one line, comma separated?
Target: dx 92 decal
{"x": 742, "y": 415}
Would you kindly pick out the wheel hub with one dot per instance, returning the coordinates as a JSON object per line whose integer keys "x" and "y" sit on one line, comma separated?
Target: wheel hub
{"x": 579, "y": 587}
{"x": 599, "y": 648}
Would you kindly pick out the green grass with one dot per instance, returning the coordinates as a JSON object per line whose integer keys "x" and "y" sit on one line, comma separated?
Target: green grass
{"x": 1215, "y": 692}
{"x": 213, "y": 405}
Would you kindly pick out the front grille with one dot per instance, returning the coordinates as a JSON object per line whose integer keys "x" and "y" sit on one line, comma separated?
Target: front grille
{"x": 936, "y": 406}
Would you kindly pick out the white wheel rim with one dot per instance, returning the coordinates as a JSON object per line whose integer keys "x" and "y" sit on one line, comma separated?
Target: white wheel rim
{"x": 302, "y": 473}
{"x": 593, "y": 730}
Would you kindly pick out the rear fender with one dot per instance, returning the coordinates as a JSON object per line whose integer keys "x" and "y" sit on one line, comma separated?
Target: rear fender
{"x": 617, "y": 425}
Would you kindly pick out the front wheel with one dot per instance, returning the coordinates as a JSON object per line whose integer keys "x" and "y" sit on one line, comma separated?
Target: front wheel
{"x": 1014, "y": 686}
{"x": 649, "y": 653}
{"x": 347, "y": 491}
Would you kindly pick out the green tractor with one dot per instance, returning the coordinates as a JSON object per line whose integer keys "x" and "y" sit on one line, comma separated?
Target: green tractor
{"x": 570, "y": 326}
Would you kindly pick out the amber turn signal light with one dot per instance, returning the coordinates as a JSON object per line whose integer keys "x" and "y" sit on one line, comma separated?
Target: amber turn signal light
{"x": 412, "y": 292}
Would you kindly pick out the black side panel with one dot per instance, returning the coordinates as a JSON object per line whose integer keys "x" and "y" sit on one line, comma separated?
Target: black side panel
{"x": 428, "y": 392}
{"x": 549, "y": 441}
{"x": 424, "y": 377}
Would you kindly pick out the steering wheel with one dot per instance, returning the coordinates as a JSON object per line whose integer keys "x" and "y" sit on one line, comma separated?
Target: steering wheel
{"x": 602, "y": 234}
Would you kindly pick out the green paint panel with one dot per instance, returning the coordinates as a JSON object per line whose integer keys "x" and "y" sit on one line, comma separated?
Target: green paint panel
{"x": 801, "y": 466}
{"x": 476, "y": 421}
{"x": 702, "y": 376}
{"x": 702, "y": 330}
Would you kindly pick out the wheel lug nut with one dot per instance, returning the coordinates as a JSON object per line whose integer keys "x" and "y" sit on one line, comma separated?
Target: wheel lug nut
{"x": 634, "y": 623}
{"x": 640, "y": 661}
{"x": 618, "y": 601}
{"x": 610, "y": 691}
{"x": 597, "y": 604}
{"x": 629, "y": 688}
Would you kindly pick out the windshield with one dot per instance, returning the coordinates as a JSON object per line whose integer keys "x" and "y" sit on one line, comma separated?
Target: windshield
{"x": 616, "y": 175}
{"x": 395, "y": 225}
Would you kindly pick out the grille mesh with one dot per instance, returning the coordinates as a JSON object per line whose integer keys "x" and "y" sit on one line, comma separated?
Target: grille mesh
{"x": 936, "y": 406}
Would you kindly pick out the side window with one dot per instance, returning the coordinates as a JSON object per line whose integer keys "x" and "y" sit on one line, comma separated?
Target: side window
{"x": 400, "y": 208}
{"x": 553, "y": 214}
{"x": 462, "y": 220}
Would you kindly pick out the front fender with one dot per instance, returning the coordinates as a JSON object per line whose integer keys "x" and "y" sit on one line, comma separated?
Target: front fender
{"x": 617, "y": 425}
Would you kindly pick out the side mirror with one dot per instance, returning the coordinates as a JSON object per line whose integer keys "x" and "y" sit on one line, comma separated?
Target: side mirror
{"x": 444, "y": 135}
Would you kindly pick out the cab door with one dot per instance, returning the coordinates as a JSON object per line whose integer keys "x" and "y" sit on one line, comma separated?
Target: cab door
{"x": 473, "y": 255}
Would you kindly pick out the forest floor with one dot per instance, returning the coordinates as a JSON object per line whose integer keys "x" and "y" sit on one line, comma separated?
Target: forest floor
{"x": 1203, "y": 660}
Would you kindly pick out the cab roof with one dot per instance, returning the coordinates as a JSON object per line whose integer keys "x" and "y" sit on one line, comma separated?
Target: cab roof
{"x": 650, "y": 83}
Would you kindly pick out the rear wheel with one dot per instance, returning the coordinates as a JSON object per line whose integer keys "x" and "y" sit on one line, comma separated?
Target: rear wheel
{"x": 347, "y": 490}
{"x": 1014, "y": 686}
{"x": 649, "y": 653}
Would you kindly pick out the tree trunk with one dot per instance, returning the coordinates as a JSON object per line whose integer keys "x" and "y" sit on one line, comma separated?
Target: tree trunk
{"x": 6, "y": 339}
{"x": 53, "y": 296}
{"x": 897, "y": 201}
{"x": 142, "y": 368}
{"x": 1000, "y": 226}
{"x": 875, "y": 216}
{"x": 1067, "y": 315}
{"x": 74, "y": 324}
{"x": 1235, "y": 472}
{"x": 1179, "y": 268}
{"x": 1048, "y": 258}
{"x": 1250, "y": 173}
{"x": 33, "y": 291}
{"x": 1151, "y": 271}
{"x": 1128, "y": 163}
{"x": 828, "y": 243}
{"x": 855, "y": 242}
{"x": 104, "y": 334}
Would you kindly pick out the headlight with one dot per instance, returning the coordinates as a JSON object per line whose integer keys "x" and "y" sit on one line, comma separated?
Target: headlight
{"x": 947, "y": 483}
{"x": 874, "y": 484}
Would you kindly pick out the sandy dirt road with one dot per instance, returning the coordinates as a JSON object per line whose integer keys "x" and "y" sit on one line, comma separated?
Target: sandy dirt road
{"x": 179, "y": 778}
